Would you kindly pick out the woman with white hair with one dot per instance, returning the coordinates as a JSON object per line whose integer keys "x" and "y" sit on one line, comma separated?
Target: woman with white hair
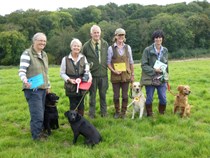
{"x": 71, "y": 71}
{"x": 33, "y": 62}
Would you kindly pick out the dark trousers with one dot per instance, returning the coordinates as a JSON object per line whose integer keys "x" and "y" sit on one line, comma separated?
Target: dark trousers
{"x": 116, "y": 89}
{"x": 74, "y": 101}
{"x": 100, "y": 83}
{"x": 36, "y": 102}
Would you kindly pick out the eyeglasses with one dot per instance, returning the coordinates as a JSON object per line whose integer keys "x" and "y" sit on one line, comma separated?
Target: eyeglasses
{"x": 41, "y": 40}
{"x": 121, "y": 35}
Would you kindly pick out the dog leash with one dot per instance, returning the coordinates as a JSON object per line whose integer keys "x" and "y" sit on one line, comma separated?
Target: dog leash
{"x": 80, "y": 100}
{"x": 169, "y": 89}
{"x": 130, "y": 92}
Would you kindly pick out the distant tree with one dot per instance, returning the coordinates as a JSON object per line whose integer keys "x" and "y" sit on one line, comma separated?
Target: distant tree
{"x": 95, "y": 14}
{"x": 12, "y": 44}
{"x": 84, "y": 32}
{"x": 130, "y": 9}
{"x": 200, "y": 26}
{"x": 137, "y": 36}
{"x": 108, "y": 29}
{"x": 111, "y": 12}
{"x": 186, "y": 27}
{"x": 177, "y": 35}
{"x": 146, "y": 12}
{"x": 46, "y": 23}
{"x": 28, "y": 21}
{"x": 58, "y": 46}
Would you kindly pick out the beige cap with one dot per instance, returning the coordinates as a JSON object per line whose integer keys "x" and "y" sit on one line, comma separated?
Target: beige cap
{"x": 119, "y": 31}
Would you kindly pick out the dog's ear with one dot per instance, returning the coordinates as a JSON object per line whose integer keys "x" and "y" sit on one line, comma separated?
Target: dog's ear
{"x": 141, "y": 86}
{"x": 47, "y": 98}
{"x": 180, "y": 88}
{"x": 78, "y": 116}
{"x": 188, "y": 87}
{"x": 47, "y": 95}
{"x": 66, "y": 113}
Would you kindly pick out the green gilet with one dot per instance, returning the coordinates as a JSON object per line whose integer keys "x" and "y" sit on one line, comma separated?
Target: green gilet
{"x": 37, "y": 66}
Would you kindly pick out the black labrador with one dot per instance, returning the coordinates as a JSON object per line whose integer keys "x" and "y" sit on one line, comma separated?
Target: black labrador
{"x": 51, "y": 113}
{"x": 80, "y": 125}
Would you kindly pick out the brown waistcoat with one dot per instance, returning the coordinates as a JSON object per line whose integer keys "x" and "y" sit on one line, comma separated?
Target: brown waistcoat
{"x": 116, "y": 58}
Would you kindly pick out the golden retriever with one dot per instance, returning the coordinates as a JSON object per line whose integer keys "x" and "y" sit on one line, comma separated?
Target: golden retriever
{"x": 138, "y": 99}
{"x": 181, "y": 102}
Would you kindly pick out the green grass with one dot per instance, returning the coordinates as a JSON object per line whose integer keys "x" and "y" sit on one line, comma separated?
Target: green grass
{"x": 159, "y": 137}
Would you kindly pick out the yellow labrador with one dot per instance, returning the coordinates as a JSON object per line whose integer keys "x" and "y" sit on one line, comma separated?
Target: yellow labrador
{"x": 138, "y": 99}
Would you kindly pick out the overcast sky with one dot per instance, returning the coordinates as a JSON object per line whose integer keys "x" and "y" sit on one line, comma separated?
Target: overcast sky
{"x": 8, "y": 6}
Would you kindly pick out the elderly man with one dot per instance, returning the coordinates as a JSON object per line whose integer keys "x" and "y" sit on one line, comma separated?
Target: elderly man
{"x": 95, "y": 50}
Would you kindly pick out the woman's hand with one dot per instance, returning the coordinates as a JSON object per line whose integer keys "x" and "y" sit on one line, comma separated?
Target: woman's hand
{"x": 132, "y": 78}
{"x": 48, "y": 90}
{"x": 117, "y": 72}
{"x": 27, "y": 84}
{"x": 73, "y": 81}
{"x": 90, "y": 80}
{"x": 158, "y": 70}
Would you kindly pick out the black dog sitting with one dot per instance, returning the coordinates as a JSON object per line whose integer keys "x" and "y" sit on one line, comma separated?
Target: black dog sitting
{"x": 82, "y": 126}
{"x": 51, "y": 113}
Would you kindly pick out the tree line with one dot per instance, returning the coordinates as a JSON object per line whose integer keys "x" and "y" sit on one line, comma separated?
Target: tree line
{"x": 186, "y": 28}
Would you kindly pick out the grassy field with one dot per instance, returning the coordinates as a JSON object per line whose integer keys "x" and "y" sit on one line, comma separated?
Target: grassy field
{"x": 158, "y": 137}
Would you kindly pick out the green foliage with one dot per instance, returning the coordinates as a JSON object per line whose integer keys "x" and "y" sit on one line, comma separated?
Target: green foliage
{"x": 186, "y": 26}
{"x": 161, "y": 136}
{"x": 12, "y": 43}
{"x": 186, "y": 54}
{"x": 108, "y": 29}
{"x": 200, "y": 26}
{"x": 171, "y": 24}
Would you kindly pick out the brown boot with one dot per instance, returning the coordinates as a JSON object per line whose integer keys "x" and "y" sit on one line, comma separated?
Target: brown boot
{"x": 149, "y": 109}
{"x": 117, "y": 108}
{"x": 124, "y": 107}
{"x": 162, "y": 109}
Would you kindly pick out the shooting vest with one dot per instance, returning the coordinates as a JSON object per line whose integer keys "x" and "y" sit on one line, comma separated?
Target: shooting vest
{"x": 125, "y": 76}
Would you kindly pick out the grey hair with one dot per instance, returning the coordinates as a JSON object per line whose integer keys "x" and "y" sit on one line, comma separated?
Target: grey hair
{"x": 75, "y": 40}
{"x": 37, "y": 35}
{"x": 94, "y": 27}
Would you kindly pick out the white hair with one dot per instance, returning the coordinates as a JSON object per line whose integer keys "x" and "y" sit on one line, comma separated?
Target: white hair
{"x": 95, "y": 27}
{"x": 75, "y": 40}
{"x": 38, "y": 34}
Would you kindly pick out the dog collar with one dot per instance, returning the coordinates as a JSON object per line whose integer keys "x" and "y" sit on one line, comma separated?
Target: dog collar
{"x": 136, "y": 99}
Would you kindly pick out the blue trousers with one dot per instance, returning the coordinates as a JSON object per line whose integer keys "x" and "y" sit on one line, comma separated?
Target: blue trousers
{"x": 36, "y": 103}
{"x": 161, "y": 91}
